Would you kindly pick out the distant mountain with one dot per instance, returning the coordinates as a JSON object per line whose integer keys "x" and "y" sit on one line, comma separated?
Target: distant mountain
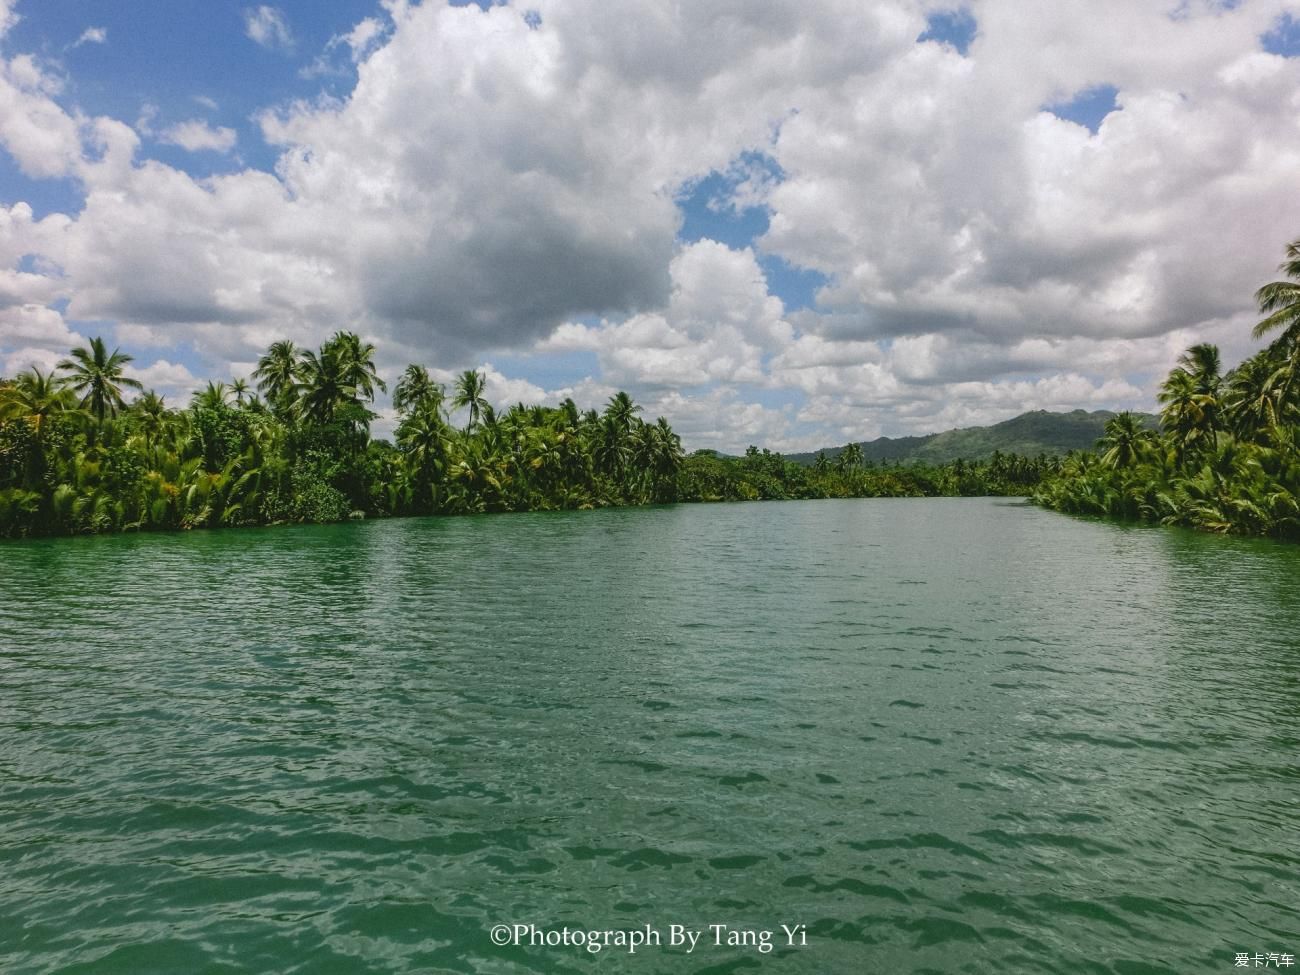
{"x": 1031, "y": 434}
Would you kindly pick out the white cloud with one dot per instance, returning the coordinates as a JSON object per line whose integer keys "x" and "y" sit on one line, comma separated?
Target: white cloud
{"x": 172, "y": 380}
{"x": 43, "y": 139}
{"x": 268, "y": 26}
{"x": 92, "y": 35}
{"x": 34, "y": 326}
{"x": 33, "y": 336}
{"x": 363, "y": 37}
{"x": 359, "y": 42}
{"x": 718, "y": 323}
{"x": 488, "y": 186}
{"x": 7, "y": 16}
{"x": 196, "y": 135}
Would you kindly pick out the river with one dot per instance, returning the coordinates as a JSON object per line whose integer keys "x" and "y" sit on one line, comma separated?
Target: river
{"x": 945, "y": 735}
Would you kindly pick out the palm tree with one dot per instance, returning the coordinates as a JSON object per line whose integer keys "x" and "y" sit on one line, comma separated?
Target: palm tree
{"x": 1202, "y": 362}
{"x": 1190, "y": 396}
{"x": 35, "y": 397}
{"x": 277, "y": 375}
{"x": 570, "y": 410}
{"x": 615, "y": 445}
{"x": 214, "y": 396}
{"x": 425, "y": 440}
{"x": 322, "y": 386}
{"x": 665, "y": 459}
{"x": 1280, "y": 300}
{"x": 414, "y": 388}
{"x": 150, "y": 414}
{"x": 621, "y": 410}
{"x": 1124, "y": 440}
{"x": 850, "y": 458}
{"x": 610, "y": 449}
{"x": 97, "y": 375}
{"x": 239, "y": 389}
{"x": 469, "y": 392}
{"x": 1253, "y": 396}
{"x": 356, "y": 363}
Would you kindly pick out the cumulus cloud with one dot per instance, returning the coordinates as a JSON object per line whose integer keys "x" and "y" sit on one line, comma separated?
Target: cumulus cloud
{"x": 953, "y": 202}
{"x": 495, "y": 182}
{"x": 42, "y": 138}
{"x": 172, "y": 380}
{"x": 268, "y": 26}
{"x": 196, "y": 135}
{"x": 718, "y": 323}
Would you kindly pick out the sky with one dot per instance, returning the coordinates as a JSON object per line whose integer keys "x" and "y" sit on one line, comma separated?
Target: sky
{"x": 790, "y": 224}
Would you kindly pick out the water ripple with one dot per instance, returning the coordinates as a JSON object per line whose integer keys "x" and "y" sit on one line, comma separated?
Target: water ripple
{"x": 946, "y": 735}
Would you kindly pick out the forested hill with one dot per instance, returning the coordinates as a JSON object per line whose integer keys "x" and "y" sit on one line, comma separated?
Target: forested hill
{"x": 1029, "y": 434}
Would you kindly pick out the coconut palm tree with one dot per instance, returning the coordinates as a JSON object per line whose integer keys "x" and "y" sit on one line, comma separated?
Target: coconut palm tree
{"x": 239, "y": 389}
{"x": 1124, "y": 441}
{"x": 214, "y": 396}
{"x": 572, "y": 418}
{"x": 425, "y": 439}
{"x": 35, "y": 397}
{"x": 277, "y": 375}
{"x": 621, "y": 410}
{"x": 1203, "y": 363}
{"x": 850, "y": 458}
{"x": 469, "y": 393}
{"x": 1253, "y": 406}
{"x": 665, "y": 459}
{"x": 1192, "y": 395}
{"x": 97, "y": 375}
{"x": 415, "y": 388}
{"x": 356, "y": 360}
{"x": 1280, "y": 300}
{"x": 322, "y": 386}
{"x": 150, "y": 414}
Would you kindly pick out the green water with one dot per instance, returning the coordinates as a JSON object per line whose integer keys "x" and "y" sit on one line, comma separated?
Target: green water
{"x": 944, "y": 735}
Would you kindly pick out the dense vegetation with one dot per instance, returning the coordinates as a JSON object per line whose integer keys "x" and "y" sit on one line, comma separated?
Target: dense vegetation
{"x": 1028, "y": 435}
{"x": 76, "y": 457}
{"x": 762, "y": 475}
{"x": 1227, "y": 455}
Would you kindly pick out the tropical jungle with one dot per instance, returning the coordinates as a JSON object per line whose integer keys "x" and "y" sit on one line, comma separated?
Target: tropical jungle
{"x": 1226, "y": 457}
{"x": 292, "y": 444}
{"x": 76, "y": 457}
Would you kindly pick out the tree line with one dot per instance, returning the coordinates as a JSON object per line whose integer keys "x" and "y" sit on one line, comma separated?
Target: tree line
{"x": 76, "y": 457}
{"x": 1226, "y": 456}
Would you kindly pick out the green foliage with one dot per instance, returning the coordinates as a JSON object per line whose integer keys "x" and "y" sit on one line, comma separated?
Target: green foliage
{"x": 1227, "y": 458}
{"x": 20, "y": 454}
{"x": 305, "y": 455}
{"x": 314, "y": 496}
{"x": 75, "y": 457}
{"x": 219, "y": 432}
{"x": 763, "y": 475}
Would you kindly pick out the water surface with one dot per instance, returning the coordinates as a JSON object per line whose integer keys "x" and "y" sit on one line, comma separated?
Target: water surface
{"x": 955, "y": 735}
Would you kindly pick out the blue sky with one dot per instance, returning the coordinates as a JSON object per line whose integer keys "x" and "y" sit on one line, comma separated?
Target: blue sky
{"x": 793, "y": 226}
